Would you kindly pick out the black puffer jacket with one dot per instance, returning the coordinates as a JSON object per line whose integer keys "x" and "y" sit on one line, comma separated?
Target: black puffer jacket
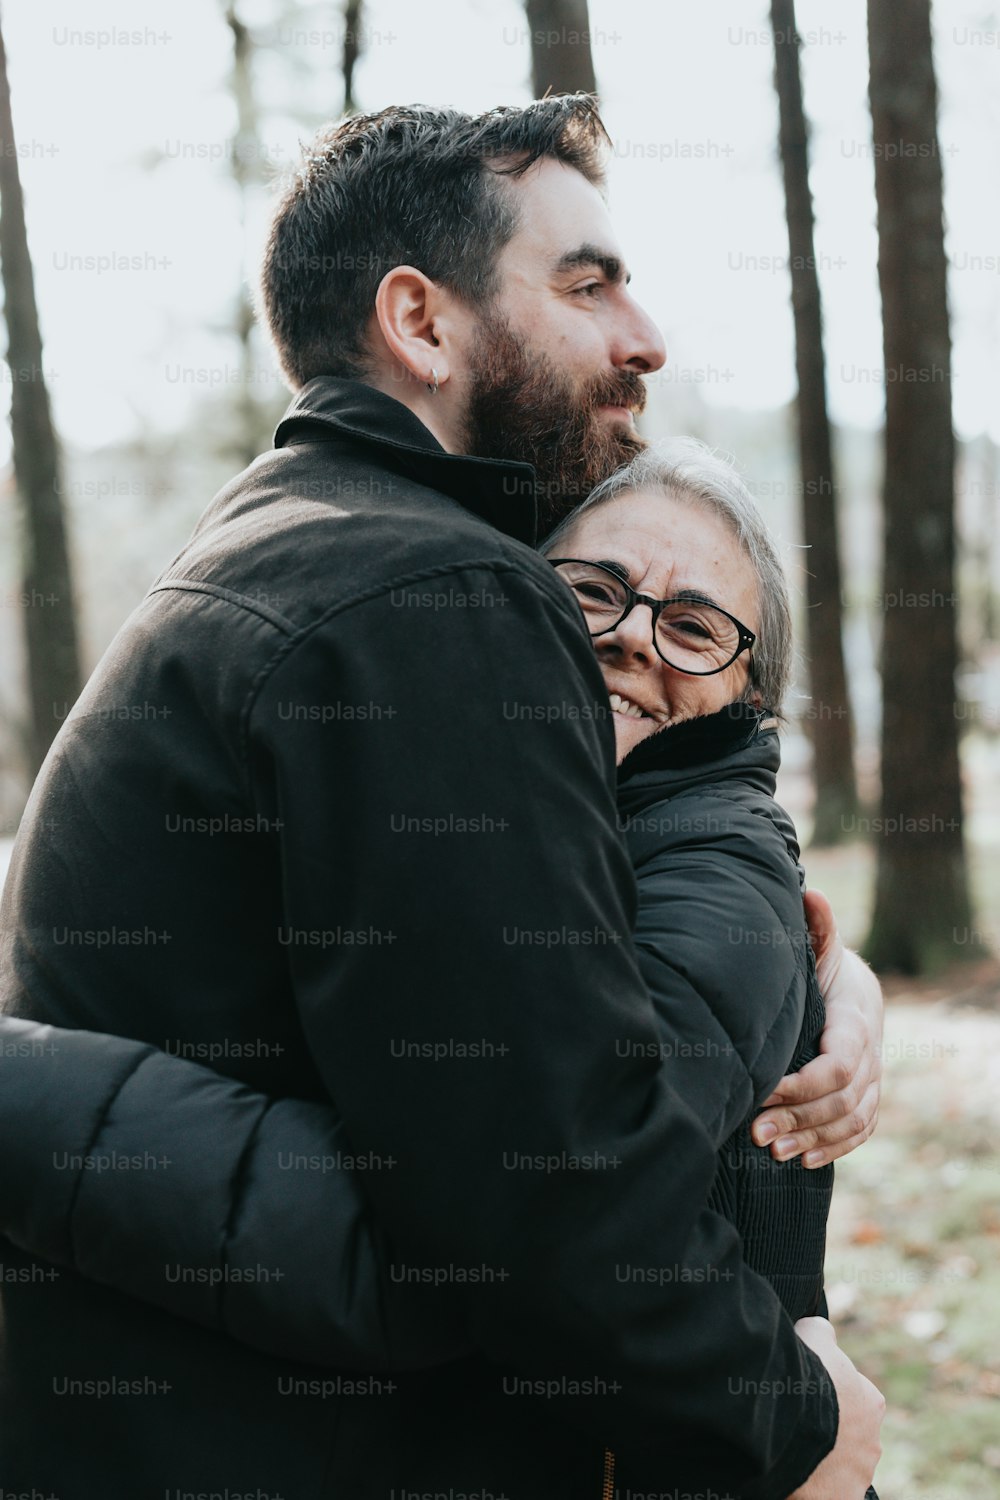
{"x": 354, "y": 736}
{"x": 723, "y": 948}
{"x": 716, "y": 861}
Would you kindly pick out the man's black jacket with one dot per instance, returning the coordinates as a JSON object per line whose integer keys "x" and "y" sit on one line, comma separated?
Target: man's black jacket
{"x": 339, "y": 796}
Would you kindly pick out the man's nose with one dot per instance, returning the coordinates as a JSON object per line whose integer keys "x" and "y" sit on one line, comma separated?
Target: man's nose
{"x": 640, "y": 345}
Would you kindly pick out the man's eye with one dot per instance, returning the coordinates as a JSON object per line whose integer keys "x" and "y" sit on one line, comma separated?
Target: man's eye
{"x": 590, "y": 290}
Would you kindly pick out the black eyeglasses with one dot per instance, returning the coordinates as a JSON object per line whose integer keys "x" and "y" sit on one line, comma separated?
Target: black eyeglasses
{"x": 689, "y": 634}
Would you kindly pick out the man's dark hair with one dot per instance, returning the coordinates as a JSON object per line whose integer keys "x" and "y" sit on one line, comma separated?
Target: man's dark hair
{"x": 409, "y": 185}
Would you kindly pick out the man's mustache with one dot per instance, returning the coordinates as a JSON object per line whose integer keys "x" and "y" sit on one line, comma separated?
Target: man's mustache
{"x": 623, "y": 388}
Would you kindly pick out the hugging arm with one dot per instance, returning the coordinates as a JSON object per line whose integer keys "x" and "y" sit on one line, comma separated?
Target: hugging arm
{"x": 831, "y": 1106}
{"x": 164, "y": 1180}
{"x": 717, "y": 931}
{"x": 162, "y": 1163}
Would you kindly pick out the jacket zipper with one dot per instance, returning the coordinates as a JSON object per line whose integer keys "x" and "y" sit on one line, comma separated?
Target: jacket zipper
{"x": 608, "y": 1485}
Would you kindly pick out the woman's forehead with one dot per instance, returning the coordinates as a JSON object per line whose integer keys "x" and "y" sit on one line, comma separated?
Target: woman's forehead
{"x": 667, "y": 544}
{"x": 653, "y": 526}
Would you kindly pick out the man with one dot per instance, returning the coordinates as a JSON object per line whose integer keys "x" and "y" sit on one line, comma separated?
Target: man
{"x": 322, "y": 749}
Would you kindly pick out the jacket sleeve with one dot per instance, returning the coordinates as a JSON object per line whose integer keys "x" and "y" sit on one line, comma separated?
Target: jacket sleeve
{"x": 720, "y": 933}
{"x": 492, "y": 1045}
{"x": 188, "y": 1190}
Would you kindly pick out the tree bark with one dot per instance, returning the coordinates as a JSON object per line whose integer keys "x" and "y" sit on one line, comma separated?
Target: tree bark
{"x": 352, "y": 51}
{"x": 829, "y": 721}
{"x": 53, "y": 659}
{"x": 922, "y": 917}
{"x": 247, "y": 169}
{"x": 561, "y": 58}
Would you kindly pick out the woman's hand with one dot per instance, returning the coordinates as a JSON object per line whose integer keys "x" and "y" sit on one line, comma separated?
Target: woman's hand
{"x": 831, "y": 1105}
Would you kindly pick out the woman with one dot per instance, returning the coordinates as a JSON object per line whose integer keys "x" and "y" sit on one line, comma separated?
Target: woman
{"x": 683, "y": 593}
{"x": 696, "y": 733}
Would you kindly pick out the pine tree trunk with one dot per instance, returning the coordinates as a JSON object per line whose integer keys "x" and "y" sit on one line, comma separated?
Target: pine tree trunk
{"x": 352, "y": 51}
{"x": 561, "y": 57}
{"x": 246, "y": 166}
{"x": 922, "y": 916}
{"x": 829, "y": 722}
{"x": 53, "y": 660}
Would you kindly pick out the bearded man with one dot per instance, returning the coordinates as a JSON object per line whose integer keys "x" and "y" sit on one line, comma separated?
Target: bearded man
{"x": 325, "y": 667}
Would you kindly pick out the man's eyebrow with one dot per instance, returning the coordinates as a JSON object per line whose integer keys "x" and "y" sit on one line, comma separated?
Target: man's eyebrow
{"x": 593, "y": 255}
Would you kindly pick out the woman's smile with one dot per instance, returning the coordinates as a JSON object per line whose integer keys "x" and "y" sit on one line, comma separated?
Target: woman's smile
{"x": 666, "y": 548}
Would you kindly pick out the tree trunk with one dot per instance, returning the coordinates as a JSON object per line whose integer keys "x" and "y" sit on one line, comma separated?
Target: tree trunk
{"x": 829, "y": 720}
{"x": 53, "y": 659}
{"x": 561, "y": 57}
{"x": 246, "y": 166}
{"x": 922, "y": 916}
{"x": 352, "y": 51}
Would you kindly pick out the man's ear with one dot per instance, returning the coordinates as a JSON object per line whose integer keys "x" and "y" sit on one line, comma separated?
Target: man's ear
{"x": 411, "y": 311}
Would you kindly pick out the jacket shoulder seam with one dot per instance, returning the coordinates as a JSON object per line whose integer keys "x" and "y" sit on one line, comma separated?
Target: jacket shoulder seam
{"x": 228, "y": 596}
{"x": 495, "y": 565}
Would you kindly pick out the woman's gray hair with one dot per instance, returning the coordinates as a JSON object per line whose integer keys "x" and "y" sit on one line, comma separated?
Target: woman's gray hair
{"x": 688, "y": 471}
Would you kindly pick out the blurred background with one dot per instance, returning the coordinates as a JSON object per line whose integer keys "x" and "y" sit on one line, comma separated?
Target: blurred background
{"x": 807, "y": 195}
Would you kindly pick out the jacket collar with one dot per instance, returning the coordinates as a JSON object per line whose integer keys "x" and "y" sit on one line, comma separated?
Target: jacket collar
{"x": 326, "y": 408}
{"x": 701, "y": 751}
{"x": 735, "y": 749}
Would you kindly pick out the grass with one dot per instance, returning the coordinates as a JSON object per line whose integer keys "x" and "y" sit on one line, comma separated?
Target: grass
{"x": 913, "y": 1260}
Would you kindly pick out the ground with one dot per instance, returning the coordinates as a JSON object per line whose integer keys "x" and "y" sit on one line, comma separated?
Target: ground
{"x": 913, "y": 1263}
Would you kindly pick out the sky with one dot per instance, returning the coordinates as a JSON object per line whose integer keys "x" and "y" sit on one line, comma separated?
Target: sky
{"x": 124, "y": 122}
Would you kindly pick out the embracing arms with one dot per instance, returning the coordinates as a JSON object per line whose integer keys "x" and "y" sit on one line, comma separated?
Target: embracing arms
{"x": 831, "y": 1106}
{"x": 137, "y": 1164}
{"x": 465, "y": 1188}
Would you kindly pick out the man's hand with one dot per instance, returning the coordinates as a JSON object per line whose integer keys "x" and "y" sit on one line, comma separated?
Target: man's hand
{"x": 849, "y": 1467}
{"x": 831, "y": 1105}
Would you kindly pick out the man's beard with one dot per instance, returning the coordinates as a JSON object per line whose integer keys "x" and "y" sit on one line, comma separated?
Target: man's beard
{"x": 522, "y": 408}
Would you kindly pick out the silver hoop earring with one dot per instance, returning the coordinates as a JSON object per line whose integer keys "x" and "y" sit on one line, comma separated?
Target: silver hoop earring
{"x": 433, "y": 388}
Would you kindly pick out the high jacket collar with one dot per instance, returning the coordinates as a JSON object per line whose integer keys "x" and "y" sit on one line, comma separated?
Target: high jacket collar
{"x": 326, "y": 408}
{"x": 695, "y": 748}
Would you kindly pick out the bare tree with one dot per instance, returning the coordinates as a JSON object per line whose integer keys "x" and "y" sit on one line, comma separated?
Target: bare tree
{"x": 53, "y": 657}
{"x": 830, "y": 722}
{"x": 922, "y": 910}
{"x": 561, "y": 58}
{"x": 353, "y": 10}
{"x": 247, "y": 164}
